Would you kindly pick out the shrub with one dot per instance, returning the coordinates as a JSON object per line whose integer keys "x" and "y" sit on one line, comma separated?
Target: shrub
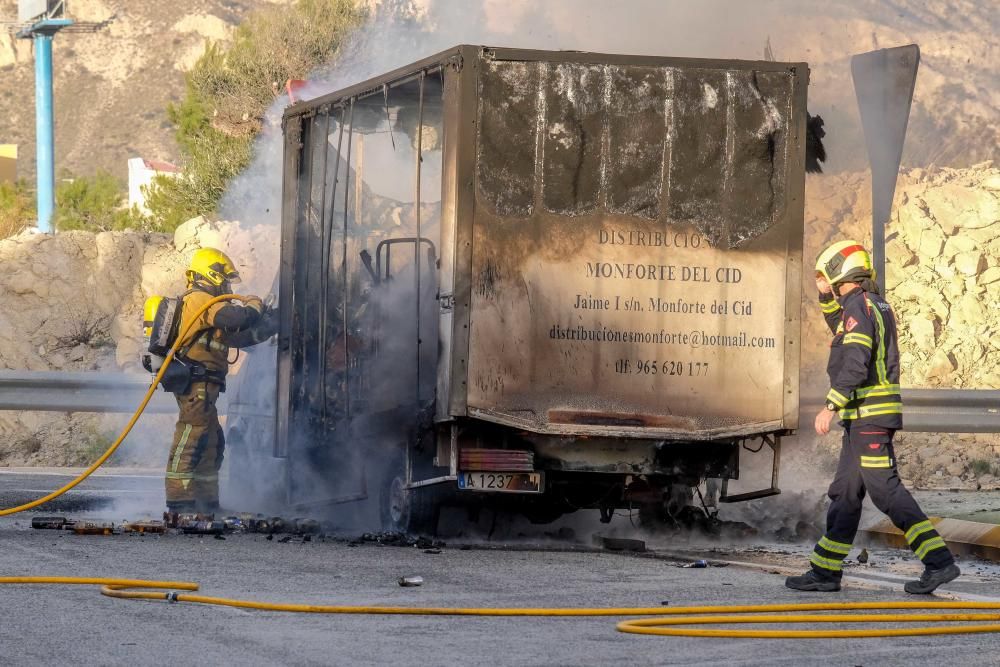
{"x": 228, "y": 91}
{"x": 93, "y": 203}
{"x": 17, "y": 208}
{"x": 980, "y": 467}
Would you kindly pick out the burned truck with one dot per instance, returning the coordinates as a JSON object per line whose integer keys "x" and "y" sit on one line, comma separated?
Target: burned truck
{"x": 540, "y": 282}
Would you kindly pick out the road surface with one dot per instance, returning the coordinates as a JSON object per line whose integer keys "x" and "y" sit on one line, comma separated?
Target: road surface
{"x": 58, "y": 625}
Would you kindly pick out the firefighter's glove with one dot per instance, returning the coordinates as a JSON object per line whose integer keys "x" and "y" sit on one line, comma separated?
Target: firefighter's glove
{"x": 267, "y": 326}
{"x": 255, "y": 304}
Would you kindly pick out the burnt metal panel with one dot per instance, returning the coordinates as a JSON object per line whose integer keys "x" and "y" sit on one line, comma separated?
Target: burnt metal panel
{"x": 289, "y": 215}
{"x": 460, "y": 126}
{"x": 636, "y": 295}
{"x": 507, "y": 126}
{"x": 638, "y": 101}
{"x": 573, "y": 142}
{"x": 698, "y": 151}
{"x": 794, "y": 228}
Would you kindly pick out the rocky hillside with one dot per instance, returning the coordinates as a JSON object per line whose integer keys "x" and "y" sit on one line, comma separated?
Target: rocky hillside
{"x": 112, "y": 87}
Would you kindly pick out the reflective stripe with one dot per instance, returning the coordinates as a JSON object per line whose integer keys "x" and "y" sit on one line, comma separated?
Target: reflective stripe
{"x": 880, "y": 409}
{"x": 836, "y": 547}
{"x": 930, "y": 545}
{"x": 180, "y": 447}
{"x": 872, "y": 411}
{"x": 880, "y": 353}
{"x": 826, "y": 563}
{"x": 829, "y": 307}
{"x": 836, "y": 398}
{"x": 191, "y": 475}
{"x": 858, "y": 338}
{"x": 918, "y": 529}
{"x": 877, "y": 390}
{"x": 876, "y": 462}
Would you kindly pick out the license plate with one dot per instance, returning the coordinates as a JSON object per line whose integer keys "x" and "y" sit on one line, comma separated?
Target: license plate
{"x": 503, "y": 482}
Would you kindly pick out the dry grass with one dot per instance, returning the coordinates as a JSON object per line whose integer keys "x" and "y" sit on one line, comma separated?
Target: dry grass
{"x": 17, "y": 208}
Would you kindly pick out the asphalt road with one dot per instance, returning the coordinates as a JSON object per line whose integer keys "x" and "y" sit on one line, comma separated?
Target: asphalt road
{"x": 57, "y": 625}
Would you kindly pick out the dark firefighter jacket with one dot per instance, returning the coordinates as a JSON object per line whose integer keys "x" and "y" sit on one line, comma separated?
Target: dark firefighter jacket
{"x": 222, "y": 326}
{"x": 864, "y": 359}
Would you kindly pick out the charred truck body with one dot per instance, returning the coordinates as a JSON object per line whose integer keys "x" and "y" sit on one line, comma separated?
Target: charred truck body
{"x": 540, "y": 280}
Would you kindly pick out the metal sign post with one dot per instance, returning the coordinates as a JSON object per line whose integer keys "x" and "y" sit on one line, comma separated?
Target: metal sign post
{"x": 44, "y": 25}
{"x": 884, "y": 82}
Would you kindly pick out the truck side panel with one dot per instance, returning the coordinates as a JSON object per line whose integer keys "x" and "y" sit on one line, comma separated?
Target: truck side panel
{"x": 633, "y": 247}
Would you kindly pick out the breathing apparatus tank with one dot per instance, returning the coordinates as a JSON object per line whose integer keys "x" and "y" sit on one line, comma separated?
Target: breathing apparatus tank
{"x": 160, "y": 324}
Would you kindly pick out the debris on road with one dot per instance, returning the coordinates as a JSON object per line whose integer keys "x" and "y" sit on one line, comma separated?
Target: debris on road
{"x": 94, "y": 528}
{"x": 863, "y": 556}
{"x": 619, "y": 543}
{"x": 407, "y": 582}
{"x": 144, "y": 526}
{"x": 394, "y": 539}
{"x": 49, "y": 522}
{"x": 695, "y": 564}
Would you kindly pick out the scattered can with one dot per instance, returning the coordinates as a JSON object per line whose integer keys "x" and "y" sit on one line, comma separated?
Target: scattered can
{"x": 408, "y": 582}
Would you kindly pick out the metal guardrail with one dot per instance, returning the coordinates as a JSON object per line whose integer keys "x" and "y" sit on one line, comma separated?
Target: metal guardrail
{"x": 57, "y": 391}
{"x": 945, "y": 410}
{"x": 924, "y": 410}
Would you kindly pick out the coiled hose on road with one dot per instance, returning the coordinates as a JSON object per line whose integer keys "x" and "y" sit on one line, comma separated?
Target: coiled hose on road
{"x": 667, "y": 621}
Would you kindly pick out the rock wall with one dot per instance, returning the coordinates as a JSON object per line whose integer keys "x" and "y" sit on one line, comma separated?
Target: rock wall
{"x": 943, "y": 279}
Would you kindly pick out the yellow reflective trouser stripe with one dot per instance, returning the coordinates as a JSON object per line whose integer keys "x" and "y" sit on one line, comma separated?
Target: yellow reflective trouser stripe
{"x": 182, "y": 443}
{"x": 190, "y": 475}
{"x": 826, "y": 563}
{"x": 835, "y": 396}
{"x": 836, "y": 547}
{"x": 877, "y": 390}
{"x": 829, "y": 306}
{"x": 875, "y": 462}
{"x": 930, "y": 545}
{"x": 918, "y": 529}
{"x": 859, "y": 338}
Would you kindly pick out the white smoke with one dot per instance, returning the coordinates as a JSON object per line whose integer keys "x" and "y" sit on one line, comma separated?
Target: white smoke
{"x": 403, "y": 31}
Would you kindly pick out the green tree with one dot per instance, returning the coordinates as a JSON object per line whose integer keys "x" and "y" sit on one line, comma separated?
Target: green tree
{"x": 93, "y": 203}
{"x": 228, "y": 91}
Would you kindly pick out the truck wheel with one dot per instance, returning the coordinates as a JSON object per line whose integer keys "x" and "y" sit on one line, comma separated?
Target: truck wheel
{"x": 653, "y": 517}
{"x": 408, "y": 510}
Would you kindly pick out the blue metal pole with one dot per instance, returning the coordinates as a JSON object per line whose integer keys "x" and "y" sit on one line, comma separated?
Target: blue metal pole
{"x": 44, "y": 124}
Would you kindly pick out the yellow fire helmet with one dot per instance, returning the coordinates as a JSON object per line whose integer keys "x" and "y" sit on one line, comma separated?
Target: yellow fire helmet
{"x": 845, "y": 261}
{"x": 214, "y": 266}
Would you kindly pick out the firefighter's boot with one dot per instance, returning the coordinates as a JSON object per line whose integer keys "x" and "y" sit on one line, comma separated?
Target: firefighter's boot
{"x": 932, "y": 578}
{"x": 813, "y": 581}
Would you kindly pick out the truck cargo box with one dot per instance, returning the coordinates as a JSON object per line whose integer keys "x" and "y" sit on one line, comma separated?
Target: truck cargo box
{"x": 567, "y": 245}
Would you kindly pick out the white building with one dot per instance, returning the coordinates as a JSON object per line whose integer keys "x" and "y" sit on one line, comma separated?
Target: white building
{"x": 140, "y": 175}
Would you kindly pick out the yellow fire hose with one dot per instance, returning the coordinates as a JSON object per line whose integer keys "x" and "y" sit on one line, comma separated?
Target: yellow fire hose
{"x": 667, "y": 624}
{"x": 668, "y": 621}
{"x": 135, "y": 415}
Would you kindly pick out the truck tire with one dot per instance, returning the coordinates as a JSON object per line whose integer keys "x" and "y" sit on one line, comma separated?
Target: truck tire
{"x": 408, "y": 510}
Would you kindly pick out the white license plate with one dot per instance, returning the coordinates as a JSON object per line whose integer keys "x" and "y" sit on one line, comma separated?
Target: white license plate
{"x": 503, "y": 482}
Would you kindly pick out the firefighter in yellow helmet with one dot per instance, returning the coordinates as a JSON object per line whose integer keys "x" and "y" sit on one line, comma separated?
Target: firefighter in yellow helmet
{"x": 864, "y": 394}
{"x": 192, "y": 477}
